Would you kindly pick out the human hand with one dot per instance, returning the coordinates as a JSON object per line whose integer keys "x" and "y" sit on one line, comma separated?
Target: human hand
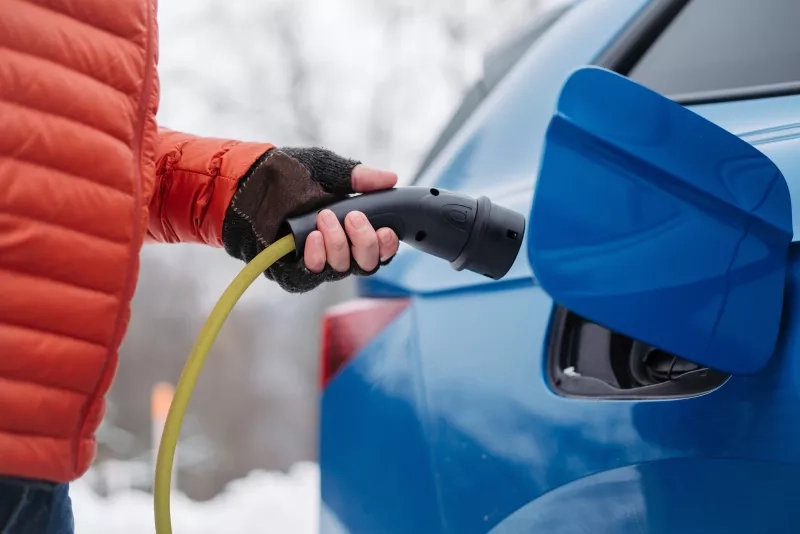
{"x": 368, "y": 247}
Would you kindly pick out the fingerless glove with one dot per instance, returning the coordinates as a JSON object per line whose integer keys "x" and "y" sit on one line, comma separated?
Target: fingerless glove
{"x": 283, "y": 183}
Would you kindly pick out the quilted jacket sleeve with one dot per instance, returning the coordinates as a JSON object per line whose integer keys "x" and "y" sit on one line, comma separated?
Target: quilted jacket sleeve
{"x": 196, "y": 178}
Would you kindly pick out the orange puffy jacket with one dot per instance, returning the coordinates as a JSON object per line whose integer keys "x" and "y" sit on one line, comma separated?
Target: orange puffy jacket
{"x": 85, "y": 177}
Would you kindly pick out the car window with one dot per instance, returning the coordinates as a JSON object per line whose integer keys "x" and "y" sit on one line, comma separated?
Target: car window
{"x": 497, "y": 63}
{"x": 715, "y": 45}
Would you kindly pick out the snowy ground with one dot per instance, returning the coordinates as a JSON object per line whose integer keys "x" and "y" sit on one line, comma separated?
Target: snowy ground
{"x": 262, "y": 502}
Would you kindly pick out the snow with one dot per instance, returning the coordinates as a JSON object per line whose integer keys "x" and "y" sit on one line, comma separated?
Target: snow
{"x": 261, "y": 502}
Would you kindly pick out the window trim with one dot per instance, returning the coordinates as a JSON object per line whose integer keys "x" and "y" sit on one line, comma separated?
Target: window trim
{"x": 632, "y": 43}
{"x": 630, "y": 46}
{"x": 738, "y": 94}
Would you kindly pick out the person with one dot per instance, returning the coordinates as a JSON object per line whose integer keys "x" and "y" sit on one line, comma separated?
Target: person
{"x": 86, "y": 177}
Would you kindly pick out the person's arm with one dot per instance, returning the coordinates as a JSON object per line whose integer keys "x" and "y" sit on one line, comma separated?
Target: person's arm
{"x": 236, "y": 195}
{"x": 196, "y": 178}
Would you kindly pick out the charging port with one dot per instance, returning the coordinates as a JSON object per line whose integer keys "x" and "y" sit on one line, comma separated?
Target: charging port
{"x": 586, "y": 359}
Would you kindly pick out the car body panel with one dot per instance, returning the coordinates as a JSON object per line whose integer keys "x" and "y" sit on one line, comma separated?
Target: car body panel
{"x": 654, "y": 497}
{"x": 446, "y": 422}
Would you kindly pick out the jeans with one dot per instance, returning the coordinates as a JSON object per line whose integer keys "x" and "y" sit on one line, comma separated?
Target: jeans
{"x": 34, "y": 507}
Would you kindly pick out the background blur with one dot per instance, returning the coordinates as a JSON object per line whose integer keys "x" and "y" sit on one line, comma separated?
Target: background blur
{"x": 375, "y": 80}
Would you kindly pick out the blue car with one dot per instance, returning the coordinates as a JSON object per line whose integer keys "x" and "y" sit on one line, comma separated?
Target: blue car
{"x": 457, "y": 404}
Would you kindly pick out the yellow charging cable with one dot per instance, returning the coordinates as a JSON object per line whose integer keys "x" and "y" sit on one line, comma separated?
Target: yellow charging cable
{"x": 191, "y": 371}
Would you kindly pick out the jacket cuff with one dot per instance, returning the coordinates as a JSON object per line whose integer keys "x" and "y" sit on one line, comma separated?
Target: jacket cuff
{"x": 238, "y": 162}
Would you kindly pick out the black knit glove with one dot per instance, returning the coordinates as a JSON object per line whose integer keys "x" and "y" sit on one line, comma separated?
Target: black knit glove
{"x": 283, "y": 183}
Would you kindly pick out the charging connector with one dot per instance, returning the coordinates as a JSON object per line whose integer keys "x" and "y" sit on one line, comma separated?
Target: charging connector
{"x": 471, "y": 234}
